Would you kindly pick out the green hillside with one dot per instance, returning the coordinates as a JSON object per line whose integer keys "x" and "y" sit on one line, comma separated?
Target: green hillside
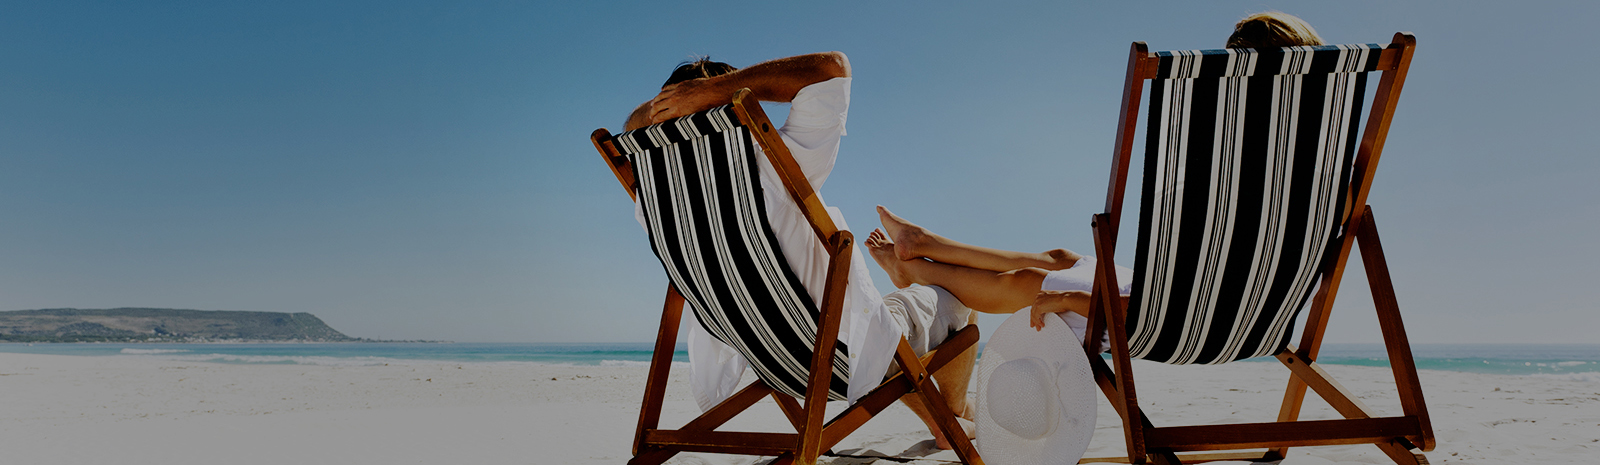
{"x": 162, "y": 325}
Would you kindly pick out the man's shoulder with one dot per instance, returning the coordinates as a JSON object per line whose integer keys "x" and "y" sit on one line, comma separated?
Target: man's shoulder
{"x": 820, "y": 105}
{"x": 835, "y": 87}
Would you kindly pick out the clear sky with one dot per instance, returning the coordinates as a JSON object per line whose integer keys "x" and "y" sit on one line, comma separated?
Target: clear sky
{"x": 422, "y": 170}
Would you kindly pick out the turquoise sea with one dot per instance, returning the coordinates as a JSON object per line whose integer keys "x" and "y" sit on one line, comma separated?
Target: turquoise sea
{"x": 1579, "y": 362}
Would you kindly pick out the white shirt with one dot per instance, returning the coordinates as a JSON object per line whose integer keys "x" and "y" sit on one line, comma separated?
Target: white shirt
{"x": 812, "y": 130}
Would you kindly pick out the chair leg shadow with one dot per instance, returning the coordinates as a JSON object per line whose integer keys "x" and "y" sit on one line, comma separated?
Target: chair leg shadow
{"x": 918, "y": 452}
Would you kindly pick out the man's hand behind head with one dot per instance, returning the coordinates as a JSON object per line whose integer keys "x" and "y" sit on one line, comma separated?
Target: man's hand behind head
{"x": 771, "y": 81}
{"x": 688, "y": 97}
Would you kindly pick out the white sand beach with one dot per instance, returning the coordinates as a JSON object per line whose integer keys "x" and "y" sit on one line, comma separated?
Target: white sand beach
{"x": 89, "y": 410}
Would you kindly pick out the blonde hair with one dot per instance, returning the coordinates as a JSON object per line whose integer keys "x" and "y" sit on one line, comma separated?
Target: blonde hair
{"x": 1272, "y": 29}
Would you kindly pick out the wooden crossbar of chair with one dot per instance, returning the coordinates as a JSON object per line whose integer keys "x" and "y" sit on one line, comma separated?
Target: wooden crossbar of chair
{"x": 1396, "y": 436}
{"x": 812, "y": 436}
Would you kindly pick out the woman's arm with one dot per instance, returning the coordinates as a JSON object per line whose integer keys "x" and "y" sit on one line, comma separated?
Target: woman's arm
{"x": 773, "y": 81}
{"x": 1048, "y": 302}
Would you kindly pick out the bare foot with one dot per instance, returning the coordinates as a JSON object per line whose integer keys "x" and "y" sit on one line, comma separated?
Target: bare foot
{"x": 907, "y": 237}
{"x": 883, "y": 252}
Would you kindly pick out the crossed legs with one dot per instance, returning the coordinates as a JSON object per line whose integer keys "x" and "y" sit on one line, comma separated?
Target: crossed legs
{"x": 912, "y": 241}
{"x": 987, "y": 280}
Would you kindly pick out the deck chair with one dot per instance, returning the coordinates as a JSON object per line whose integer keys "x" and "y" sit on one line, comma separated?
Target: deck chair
{"x": 1254, "y": 194}
{"x": 698, "y": 182}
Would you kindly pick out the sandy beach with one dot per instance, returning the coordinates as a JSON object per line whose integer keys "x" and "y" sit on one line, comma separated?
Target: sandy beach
{"x": 121, "y": 409}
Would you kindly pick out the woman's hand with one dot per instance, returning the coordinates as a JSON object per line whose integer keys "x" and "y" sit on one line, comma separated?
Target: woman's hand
{"x": 1047, "y": 302}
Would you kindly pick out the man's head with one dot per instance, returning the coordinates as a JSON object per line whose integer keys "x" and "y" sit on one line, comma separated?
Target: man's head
{"x": 702, "y": 68}
{"x": 1272, "y": 29}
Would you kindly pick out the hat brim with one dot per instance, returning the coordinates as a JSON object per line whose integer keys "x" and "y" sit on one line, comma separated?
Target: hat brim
{"x": 1074, "y": 383}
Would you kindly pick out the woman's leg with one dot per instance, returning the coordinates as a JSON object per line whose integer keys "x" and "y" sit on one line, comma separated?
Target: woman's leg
{"x": 912, "y": 241}
{"x": 982, "y": 290}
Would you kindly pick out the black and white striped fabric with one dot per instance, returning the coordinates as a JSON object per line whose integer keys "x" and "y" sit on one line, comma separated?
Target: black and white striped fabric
{"x": 700, "y": 189}
{"x": 1247, "y": 166}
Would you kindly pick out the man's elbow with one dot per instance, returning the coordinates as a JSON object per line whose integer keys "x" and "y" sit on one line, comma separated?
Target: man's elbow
{"x": 835, "y": 64}
{"x": 639, "y": 118}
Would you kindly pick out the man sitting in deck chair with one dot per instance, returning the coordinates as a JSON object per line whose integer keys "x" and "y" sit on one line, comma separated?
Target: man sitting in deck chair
{"x": 818, "y": 88}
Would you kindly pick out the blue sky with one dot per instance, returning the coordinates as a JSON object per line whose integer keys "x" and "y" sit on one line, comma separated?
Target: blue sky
{"x": 421, "y": 170}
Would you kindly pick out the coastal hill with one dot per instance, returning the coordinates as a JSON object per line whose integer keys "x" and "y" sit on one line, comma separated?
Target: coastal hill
{"x": 162, "y": 325}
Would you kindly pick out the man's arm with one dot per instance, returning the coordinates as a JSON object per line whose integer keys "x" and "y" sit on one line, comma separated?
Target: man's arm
{"x": 773, "y": 81}
{"x": 639, "y": 118}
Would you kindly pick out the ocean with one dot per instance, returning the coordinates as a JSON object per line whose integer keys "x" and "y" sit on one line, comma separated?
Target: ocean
{"x": 1579, "y": 362}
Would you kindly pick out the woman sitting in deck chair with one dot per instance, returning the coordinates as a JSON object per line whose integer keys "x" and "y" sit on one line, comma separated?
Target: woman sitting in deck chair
{"x": 1054, "y": 281}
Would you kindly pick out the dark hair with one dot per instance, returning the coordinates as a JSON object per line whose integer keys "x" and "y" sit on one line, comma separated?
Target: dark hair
{"x": 1272, "y": 29}
{"x": 702, "y": 68}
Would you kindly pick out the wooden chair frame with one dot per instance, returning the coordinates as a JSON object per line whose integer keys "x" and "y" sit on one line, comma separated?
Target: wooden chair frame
{"x": 812, "y": 437}
{"x": 1395, "y": 436}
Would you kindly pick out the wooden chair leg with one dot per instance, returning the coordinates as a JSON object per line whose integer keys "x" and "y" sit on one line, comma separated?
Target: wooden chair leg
{"x": 1310, "y": 374}
{"x": 1401, "y": 454}
{"x": 1316, "y": 324}
{"x": 897, "y": 386}
{"x": 1107, "y": 301}
{"x": 828, "y": 322}
{"x": 655, "y": 386}
{"x": 865, "y": 408}
{"x": 707, "y": 421}
{"x": 1133, "y": 420}
{"x": 791, "y": 410}
{"x": 1294, "y": 397}
{"x": 943, "y": 415}
{"x": 1342, "y": 400}
{"x": 1394, "y": 331}
{"x": 729, "y": 408}
{"x": 1363, "y": 231}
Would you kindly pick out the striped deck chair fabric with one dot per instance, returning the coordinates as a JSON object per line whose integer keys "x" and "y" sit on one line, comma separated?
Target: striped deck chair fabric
{"x": 1247, "y": 165}
{"x": 700, "y": 190}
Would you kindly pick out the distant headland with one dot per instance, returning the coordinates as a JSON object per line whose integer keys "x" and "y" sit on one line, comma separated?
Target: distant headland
{"x": 165, "y": 325}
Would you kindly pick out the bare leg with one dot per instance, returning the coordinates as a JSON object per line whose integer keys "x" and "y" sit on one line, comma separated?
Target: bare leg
{"x": 912, "y": 241}
{"x": 952, "y": 381}
{"x": 982, "y": 290}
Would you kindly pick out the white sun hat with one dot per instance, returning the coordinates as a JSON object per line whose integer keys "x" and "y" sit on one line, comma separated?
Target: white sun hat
{"x": 1036, "y": 395}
